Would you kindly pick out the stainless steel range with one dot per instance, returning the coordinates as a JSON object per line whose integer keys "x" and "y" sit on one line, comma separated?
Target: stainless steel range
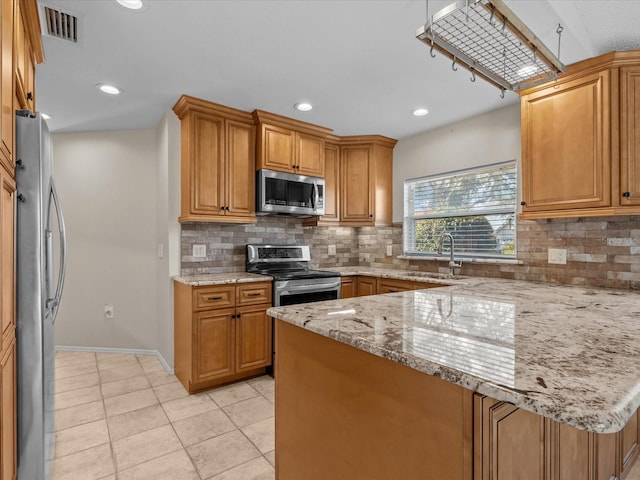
{"x": 294, "y": 282}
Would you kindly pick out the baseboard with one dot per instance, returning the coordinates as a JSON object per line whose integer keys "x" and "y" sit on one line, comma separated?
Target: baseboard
{"x": 132, "y": 351}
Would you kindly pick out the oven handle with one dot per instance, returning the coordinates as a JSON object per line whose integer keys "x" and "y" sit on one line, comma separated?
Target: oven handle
{"x": 325, "y": 287}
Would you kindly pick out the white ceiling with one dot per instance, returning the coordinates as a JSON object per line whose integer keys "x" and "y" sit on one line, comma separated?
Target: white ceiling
{"x": 358, "y": 62}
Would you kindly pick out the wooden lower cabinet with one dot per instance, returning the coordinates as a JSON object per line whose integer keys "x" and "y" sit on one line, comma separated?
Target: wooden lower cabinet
{"x": 348, "y": 287}
{"x": 221, "y": 333}
{"x": 367, "y": 286}
{"x": 362, "y": 285}
{"x": 514, "y": 444}
{"x": 8, "y": 413}
{"x": 629, "y": 445}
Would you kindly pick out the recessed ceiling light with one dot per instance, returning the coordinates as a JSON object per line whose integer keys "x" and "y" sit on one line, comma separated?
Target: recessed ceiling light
{"x": 110, "y": 89}
{"x": 420, "y": 112}
{"x": 527, "y": 70}
{"x": 132, "y": 4}
{"x": 45, "y": 116}
{"x": 303, "y": 107}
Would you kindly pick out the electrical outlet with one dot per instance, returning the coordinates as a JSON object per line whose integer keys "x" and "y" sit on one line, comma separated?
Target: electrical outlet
{"x": 199, "y": 250}
{"x": 557, "y": 256}
{"x": 161, "y": 250}
{"x": 108, "y": 311}
{"x": 389, "y": 250}
{"x": 331, "y": 250}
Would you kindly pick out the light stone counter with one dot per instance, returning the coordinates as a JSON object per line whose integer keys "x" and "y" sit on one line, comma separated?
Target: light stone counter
{"x": 221, "y": 279}
{"x": 413, "y": 276}
{"x": 571, "y": 354}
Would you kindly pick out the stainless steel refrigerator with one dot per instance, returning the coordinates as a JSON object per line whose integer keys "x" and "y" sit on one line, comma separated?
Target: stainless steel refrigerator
{"x": 38, "y": 220}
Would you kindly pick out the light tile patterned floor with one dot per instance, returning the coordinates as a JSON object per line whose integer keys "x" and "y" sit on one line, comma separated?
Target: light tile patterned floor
{"x": 123, "y": 417}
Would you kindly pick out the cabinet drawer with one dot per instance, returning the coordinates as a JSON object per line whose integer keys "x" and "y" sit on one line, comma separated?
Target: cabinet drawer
{"x": 254, "y": 293}
{"x": 214, "y": 297}
{"x": 387, "y": 285}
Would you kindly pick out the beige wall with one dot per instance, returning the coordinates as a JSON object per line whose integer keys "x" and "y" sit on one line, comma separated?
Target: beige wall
{"x": 107, "y": 187}
{"x": 481, "y": 140}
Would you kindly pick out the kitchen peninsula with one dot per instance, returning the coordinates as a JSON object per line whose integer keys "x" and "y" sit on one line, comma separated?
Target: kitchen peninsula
{"x": 485, "y": 379}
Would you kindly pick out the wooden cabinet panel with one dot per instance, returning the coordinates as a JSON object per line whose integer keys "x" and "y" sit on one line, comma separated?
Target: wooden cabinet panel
{"x": 387, "y": 285}
{"x": 6, "y": 84}
{"x": 254, "y": 293}
{"x": 215, "y": 344}
{"x": 7, "y": 256}
{"x": 570, "y": 453}
{"x": 8, "y": 414}
{"x": 309, "y": 155}
{"x": 367, "y": 286}
{"x": 278, "y": 146}
{"x": 356, "y": 184}
{"x": 217, "y": 165}
{"x": 629, "y": 445}
{"x": 630, "y": 136}
{"x": 240, "y": 169}
{"x": 566, "y": 145}
{"x": 206, "y": 298}
{"x": 348, "y": 286}
{"x": 509, "y": 443}
{"x": 605, "y": 456}
{"x": 331, "y": 183}
{"x": 253, "y": 330}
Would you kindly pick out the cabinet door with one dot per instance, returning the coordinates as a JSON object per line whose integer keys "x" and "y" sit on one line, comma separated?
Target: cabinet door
{"x": 331, "y": 183}
{"x": 367, "y": 286}
{"x": 569, "y": 453}
{"x": 386, "y": 285}
{"x": 630, "y": 136}
{"x": 6, "y": 85}
{"x": 214, "y": 353}
{"x": 509, "y": 443}
{"x": 629, "y": 445}
{"x": 204, "y": 134}
{"x": 253, "y": 332}
{"x": 309, "y": 155}
{"x": 356, "y": 204}
{"x": 348, "y": 287}
{"x": 277, "y": 148}
{"x": 7, "y": 277}
{"x": 566, "y": 145}
{"x": 241, "y": 169}
{"x": 8, "y": 414}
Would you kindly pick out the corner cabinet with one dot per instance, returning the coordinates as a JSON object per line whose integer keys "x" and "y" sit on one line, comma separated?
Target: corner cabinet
{"x": 222, "y": 333}
{"x": 217, "y": 175}
{"x": 366, "y": 165}
{"x": 288, "y": 145}
{"x": 580, "y": 141}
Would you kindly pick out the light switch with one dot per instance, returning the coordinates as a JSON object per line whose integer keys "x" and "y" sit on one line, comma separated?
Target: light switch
{"x": 389, "y": 250}
{"x": 557, "y": 256}
{"x": 331, "y": 250}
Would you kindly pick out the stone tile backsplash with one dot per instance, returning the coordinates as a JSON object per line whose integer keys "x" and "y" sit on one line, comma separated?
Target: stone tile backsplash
{"x": 603, "y": 251}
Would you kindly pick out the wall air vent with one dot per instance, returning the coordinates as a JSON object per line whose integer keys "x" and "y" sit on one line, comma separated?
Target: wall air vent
{"x": 61, "y": 25}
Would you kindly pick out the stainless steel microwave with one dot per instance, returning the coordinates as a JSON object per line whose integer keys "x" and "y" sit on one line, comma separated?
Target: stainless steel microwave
{"x": 288, "y": 194}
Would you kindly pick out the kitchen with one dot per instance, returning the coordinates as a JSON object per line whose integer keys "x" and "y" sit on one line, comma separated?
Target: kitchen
{"x": 119, "y": 166}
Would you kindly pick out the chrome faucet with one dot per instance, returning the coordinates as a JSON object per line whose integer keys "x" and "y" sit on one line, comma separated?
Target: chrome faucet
{"x": 452, "y": 264}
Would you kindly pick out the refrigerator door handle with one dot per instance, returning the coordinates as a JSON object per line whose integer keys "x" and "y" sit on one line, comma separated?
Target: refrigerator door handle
{"x": 54, "y": 302}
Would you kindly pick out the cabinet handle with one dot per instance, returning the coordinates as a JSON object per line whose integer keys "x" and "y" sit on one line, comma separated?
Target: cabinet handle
{"x": 523, "y": 203}
{"x": 214, "y": 298}
{"x": 254, "y": 294}
{"x": 29, "y": 96}
{"x": 392, "y": 291}
{"x": 226, "y": 209}
{"x": 626, "y": 194}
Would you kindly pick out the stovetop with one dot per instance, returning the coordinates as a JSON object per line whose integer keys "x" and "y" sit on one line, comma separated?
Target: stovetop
{"x": 283, "y": 262}
{"x": 295, "y": 274}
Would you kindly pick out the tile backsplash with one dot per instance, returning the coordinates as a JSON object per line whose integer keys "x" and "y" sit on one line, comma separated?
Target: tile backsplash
{"x": 602, "y": 251}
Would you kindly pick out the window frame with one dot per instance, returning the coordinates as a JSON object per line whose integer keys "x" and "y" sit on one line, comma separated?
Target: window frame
{"x": 407, "y": 219}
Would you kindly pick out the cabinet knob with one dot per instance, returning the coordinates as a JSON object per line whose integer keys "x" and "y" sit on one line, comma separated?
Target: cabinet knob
{"x": 626, "y": 194}
{"x": 370, "y": 215}
{"x": 29, "y": 96}
{"x": 523, "y": 203}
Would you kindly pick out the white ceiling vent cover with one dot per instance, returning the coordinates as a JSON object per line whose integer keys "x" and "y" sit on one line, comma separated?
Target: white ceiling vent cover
{"x": 61, "y": 25}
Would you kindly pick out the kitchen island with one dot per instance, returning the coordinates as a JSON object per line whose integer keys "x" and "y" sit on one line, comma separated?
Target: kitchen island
{"x": 487, "y": 379}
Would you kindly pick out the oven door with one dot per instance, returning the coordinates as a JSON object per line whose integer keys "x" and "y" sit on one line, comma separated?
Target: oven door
{"x": 291, "y": 292}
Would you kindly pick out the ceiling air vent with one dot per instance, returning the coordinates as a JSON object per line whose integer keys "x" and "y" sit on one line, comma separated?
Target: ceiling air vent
{"x": 61, "y": 25}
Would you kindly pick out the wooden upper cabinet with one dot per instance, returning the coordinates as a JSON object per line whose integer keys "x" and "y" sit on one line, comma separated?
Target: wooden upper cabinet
{"x": 6, "y": 85}
{"x": 366, "y": 171}
{"x": 565, "y": 145}
{"x": 217, "y": 176}
{"x": 288, "y": 145}
{"x": 27, "y": 50}
{"x": 581, "y": 140}
{"x": 630, "y": 135}
{"x": 331, "y": 185}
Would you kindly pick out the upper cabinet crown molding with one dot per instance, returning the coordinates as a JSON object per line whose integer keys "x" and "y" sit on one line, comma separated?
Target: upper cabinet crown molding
{"x": 370, "y": 139}
{"x": 580, "y": 146}
{"x": 260, "y": 116}
{"x": 186, "y": 104}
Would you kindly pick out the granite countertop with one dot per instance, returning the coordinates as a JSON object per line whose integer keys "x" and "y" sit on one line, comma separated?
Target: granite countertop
{"x": 571, "y": 354}
{"x": 414, "y": 276}
{"x": 221, "y": 278}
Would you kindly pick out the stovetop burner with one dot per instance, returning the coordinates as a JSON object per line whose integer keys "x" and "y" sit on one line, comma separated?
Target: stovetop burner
{"x": 288, "y": 262}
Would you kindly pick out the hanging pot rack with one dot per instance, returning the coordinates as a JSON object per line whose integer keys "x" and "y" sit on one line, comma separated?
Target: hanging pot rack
{"x": 489, "y": 40}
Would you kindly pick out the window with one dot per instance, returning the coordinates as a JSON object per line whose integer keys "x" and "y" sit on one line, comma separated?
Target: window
{"x": 476, "y": 206}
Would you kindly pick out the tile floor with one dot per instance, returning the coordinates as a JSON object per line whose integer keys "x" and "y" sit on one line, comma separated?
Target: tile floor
{"x": 123, "y": 417}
